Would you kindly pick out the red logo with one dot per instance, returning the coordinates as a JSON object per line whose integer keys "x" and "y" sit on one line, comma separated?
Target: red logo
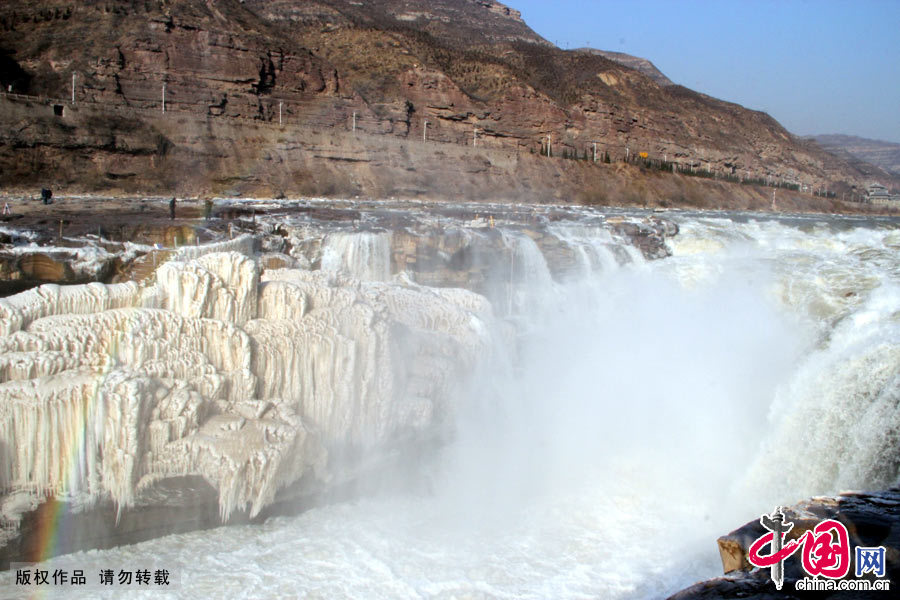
{"x": 826, "y": 550}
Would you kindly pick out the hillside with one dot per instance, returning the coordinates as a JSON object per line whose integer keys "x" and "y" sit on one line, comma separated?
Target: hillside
{"x": 884, "y": 155}
{"x": 641, "y": 65}
{"x": 471, "y": 69}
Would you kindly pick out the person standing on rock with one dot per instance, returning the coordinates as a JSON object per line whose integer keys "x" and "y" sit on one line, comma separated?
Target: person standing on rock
{"x": 207, "y": 209}
{"x": 172, "y": 208}
{"x": 6, "y": 209}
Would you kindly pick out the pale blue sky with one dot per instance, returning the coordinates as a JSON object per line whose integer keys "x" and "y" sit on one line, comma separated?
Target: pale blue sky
{"x": 817, "y": 66}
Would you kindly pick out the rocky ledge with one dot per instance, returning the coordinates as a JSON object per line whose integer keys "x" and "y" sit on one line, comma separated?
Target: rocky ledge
{"x": 872, "y": 519}
{"x": 113, "y": 240}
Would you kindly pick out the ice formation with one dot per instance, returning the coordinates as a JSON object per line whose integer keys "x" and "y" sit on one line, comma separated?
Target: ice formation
{"x": 213, "y": 368}
{"x": 17, "y": 312}
{"x": 365, "y": 255}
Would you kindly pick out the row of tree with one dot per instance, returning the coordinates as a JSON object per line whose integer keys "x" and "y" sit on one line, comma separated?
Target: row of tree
{"x": 641, "y": 159}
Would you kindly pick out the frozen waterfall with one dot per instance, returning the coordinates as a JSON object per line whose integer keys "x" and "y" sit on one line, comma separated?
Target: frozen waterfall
{"x": 585, "y": 421}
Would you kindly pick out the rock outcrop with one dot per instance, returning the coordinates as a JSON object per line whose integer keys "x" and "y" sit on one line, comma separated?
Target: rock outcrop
{"x": 872, "y": 519}
{"x": 642, "y": 65}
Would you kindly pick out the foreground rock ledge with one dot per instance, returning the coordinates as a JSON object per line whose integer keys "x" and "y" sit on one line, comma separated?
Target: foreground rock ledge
{"x": 871, "y": 518}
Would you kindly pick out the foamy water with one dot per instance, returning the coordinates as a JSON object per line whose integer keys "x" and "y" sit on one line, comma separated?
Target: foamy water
{"x": 651, "y": 407}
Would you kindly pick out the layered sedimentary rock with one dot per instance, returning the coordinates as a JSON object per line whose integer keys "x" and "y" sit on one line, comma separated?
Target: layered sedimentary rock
{"x": 247, "y": 85}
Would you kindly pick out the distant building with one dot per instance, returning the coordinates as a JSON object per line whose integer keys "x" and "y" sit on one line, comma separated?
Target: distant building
{"x": 879, "y": 195}
{"x": 876, "y": 190}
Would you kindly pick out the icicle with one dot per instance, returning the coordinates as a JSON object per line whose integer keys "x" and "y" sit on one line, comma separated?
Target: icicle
{"x": 107, "y": 389}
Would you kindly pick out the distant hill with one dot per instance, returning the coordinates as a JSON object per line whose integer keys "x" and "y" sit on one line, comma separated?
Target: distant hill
{"x": 641, "y": 65}
{"x": 885, "y": 155}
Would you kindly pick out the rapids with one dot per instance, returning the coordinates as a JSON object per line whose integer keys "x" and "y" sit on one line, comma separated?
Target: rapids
{"x": 616, "y": 416}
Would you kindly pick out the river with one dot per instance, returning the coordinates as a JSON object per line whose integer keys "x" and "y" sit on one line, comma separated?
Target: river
{"x": 634, "y": 411}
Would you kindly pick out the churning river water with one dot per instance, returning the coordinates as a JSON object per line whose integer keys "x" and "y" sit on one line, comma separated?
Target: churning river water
{"x": 648, "y": 407}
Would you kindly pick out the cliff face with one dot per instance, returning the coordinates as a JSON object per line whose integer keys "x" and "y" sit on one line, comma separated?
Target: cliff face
{"x": 471, "y": 68}
{"x": 214, "y": 58}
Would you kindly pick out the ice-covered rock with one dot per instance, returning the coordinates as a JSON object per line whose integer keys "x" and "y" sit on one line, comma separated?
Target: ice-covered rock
{"x": 16, "y": 312}
{"x": 218, "y": 286}
{"x": 247, "y": 454}
{"x": 80, "y": 432}
{"x": 211, "y": 369}
{"x": 367, "y": 360}
{"x": 243, "y": 244}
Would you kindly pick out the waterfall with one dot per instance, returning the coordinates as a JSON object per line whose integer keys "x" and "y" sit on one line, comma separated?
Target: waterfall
{"x": 602, "y": 418}
{"x": 363, "y": 255}
{"x": 833, "y": 423}
{"x": 530, "y": 285}
{"x": 594, "y": 249}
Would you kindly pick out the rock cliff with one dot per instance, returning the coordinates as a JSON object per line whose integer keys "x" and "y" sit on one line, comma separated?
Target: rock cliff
{"x": 157, "y": 94}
